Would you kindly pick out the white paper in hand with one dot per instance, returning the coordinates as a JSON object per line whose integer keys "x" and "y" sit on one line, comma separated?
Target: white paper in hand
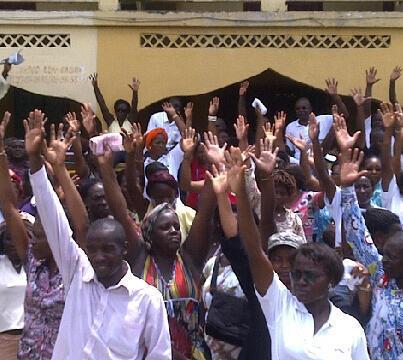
{"x": 257, "y": 103}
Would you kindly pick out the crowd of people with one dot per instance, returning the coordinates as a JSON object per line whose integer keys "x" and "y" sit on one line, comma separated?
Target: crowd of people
{"x": 275, "y": 240}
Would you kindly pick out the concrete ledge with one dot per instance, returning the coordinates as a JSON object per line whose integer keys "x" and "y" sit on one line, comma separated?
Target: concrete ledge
{"x": 205, "y": 20}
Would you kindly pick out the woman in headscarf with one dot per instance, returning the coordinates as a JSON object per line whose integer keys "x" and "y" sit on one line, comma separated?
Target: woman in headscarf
{"x": 160, "y": 259}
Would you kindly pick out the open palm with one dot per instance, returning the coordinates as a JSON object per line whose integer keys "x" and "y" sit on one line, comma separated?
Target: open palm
{"x": 350, "y": 167}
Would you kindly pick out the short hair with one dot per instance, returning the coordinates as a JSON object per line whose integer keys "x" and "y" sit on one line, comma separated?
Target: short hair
{"x": 282, "y": 154}
{"x": 86, "y": 185}
{"x": 298, "y": 174}
{"x": 154, "y": 167}
{"x": 323, "y": 255}
{"x": 381, "y": 220}
{"x": 110, "y": 226}
{"x": 119, "y": 102}
{"x": 283, "y": 178}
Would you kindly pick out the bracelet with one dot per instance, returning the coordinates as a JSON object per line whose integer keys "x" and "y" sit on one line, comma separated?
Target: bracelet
{"x": 212, "y": 118}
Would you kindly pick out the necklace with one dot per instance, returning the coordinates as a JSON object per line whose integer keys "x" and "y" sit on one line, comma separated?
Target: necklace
{"x": 166, "y": 284}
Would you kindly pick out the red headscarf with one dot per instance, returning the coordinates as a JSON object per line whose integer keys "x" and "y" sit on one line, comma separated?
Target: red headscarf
{"x": 152, "y": 134}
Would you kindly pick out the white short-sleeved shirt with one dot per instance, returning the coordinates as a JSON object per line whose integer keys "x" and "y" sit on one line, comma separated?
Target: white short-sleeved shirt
{"x": 392, "y": 200}
{"x": 160, "y": 120}
{"x": 12, "y": 294}
{"x": 298, "y": 130}
{"x": 291, "y": 328}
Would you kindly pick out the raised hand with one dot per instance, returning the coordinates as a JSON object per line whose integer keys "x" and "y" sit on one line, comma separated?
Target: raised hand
{"x": 235, "y": 169}
{"x": 88, "y": 116}
{"x": 241, "y": 128}
{"x": 135, "y": 85}
{"x": 243, "y": 87}
{"x": 71, "y": 120}
{"x": 331, "y": 86}
{"x": 169, "y": 109}
{"x": 55, "y": 153}
{"x": 358, "y": 97}
{"x": 279, "y": 121}
{"x": 344, "y": 140}
{"x": 106, "y": 159}
{"x": 388, "y": 115}
{"x": 313, "y": 127}
{"x": 34, "y": 130}
{"x": 350, "y": 167}
{"x": 218, "y": 178}
{"x": 214, "y": 153}
{"x": 371, "y": 76}
{"x": 269, "y": 131}
{"x": 94, "y": 79}
{"x": 399, "y": 115}
{"x": 300, "y": 144}
{"x": 214, "y": 106}
{"x": 133, "y": 141}
{"x": 3, "y": 127}
{"x": 396, "y": 73}
{"x": 188, "y": 142}
{"x": 188, "y": 109}
{"x": 266, "y": 162}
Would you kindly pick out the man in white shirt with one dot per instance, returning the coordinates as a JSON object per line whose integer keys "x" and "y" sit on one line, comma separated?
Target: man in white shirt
{"x": 109, "y": 313}
{"x": 168, "y": 123}
{"x": 299, "y": 127}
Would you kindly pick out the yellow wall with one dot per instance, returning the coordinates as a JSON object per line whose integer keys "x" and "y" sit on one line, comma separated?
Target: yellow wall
{"x": 185, "y": 71}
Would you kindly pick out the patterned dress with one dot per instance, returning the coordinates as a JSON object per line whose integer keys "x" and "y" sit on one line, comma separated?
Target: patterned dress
{"x": 44, "y": 305}
{"x": 181, "y": 297}
{"x": 385, "y": 329}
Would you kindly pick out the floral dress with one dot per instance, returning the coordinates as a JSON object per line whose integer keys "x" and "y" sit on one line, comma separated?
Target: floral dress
{"x": 181, "y": 298}
{"x": 43, "y": 306}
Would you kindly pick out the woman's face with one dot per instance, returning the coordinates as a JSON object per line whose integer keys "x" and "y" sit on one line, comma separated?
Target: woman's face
{"x": 282, "y": 195}
{"x": 363, "y": 189}
{"x": 166, "y": 234}
{"x": 158, "y": 146}
{"x": 309, "y": 281}
{"x": 162, "y": 193}
{"x": 280, "y": 258}
{"x": 374, "y": 167}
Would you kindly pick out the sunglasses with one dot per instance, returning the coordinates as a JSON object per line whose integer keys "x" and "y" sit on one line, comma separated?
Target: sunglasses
{"x": 308, "y": 276}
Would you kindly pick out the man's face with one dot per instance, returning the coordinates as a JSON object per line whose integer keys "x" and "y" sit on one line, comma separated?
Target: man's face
{"x": 96, "y": 202}
{"x": 303, "y": 109}
{"x": 105, "y": 254}
{"x": 15, "y": 150}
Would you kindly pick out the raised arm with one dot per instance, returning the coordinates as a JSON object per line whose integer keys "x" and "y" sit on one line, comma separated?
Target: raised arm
{"x": 188, "y": 109}
{"x": 335, "y": 98}
{"x": 117, "y": 203}
{"x": 356, "y": 232}
{"x": 321, "y": 170}
{"x": 212, "y": 115}
{"x": 134, "y": 86}
{"x": 54, "y": 221}
{"x": 261, "y": 123}
{"x": 388, "y": 118}
{"x": 395, "y": 75}
{"x": 261, "y": 267}
{"x": 8, "y": 201}
{"x": 55, "y": 155}
{"x": 198, "y": 242}
{"x": 241, "y": 129}
{"x": 108, "y": 117}
{"x": 397, "y": 151}
{"x": 303, "y": 147}
{"x": 174, "y": 116}
{"x": 188, "y": 146}
{"x": 243, "y": 88}
{"x": 265, "y": 165}
{"x": 371, "y": 79}
{"x": 134, "y": 145}
{"x": 360, "y": 102}
{"x": 220, "y": 187}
